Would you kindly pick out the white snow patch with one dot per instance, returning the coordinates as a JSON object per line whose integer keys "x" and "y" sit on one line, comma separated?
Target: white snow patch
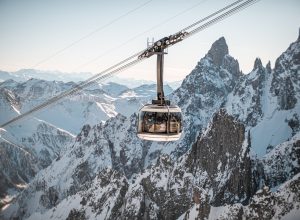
{"x": 270, "y": 131}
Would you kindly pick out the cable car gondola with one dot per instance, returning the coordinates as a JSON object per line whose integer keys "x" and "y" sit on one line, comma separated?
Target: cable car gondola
{"x": 159, "y": 121}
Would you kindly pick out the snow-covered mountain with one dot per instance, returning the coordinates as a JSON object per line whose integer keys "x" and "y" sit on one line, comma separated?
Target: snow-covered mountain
{"x": 135, "y": 98}
{"x": 26, "y": 74}
{"x": 238, "y": 156}
{"x": 26, "y": 148}
{"x": 91, "y": 106}
{"x": 76, "y": 110}
{"x": 44, "y": 135}
{"x": 175, "y": 85}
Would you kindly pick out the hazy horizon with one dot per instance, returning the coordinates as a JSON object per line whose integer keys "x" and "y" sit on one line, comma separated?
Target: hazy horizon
{"x": 34, "y": 30}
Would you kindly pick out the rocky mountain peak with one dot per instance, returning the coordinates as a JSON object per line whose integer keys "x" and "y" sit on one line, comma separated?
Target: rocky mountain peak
{"x": 257, "y": 64}
{"x": 268, "y": 67}
{"x": 218, "y": 51}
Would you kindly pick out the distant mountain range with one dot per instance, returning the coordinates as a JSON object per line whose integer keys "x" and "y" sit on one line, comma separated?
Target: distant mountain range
{"x": 26, "y": 74}
{"x": 38, "y": 140}
{"x": 92, "y": 105}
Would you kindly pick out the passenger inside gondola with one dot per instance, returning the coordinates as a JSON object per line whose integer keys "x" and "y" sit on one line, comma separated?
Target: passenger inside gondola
{"x": 161, "y": 122}
{"x": 155, "y": 122}
{"x": 175, "y": 126}
{"x": 149, "y": 121}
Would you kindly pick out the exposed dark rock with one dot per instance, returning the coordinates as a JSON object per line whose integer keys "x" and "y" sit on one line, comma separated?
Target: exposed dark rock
{"x": 10, "y": 97}
{"x": 232, "y": 66}
{"x": 116, "y": 210}
{"x": 257, "y": 64}
{"x": 282, "y": 163}
{"x": 82, "y": 173}
{"x": 85, "y": 130}
{"x": 116, "y": 187}
{"x": 17, "y": 167}
{"x": 202, "y": 203}
{"x": 268, "y": 68}
{"x": 263, "y": 204}
{"x": 288, "y": 98}
{"x": 294, "y": 124}
{"x": 221, "y": 152}
{"x": 121, "y": 162}
{"x": 218, "y": 51}
{"x": 50, "y": 198}
{"x": 286, "y": 80}
{"x": 76, "y": 215}
{"x": 170, "y": 204}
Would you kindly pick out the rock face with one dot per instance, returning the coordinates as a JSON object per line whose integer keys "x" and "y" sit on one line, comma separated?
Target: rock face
{"x": 265, "y": 204}
{"x": 218, "y": 51}
{"x": 20, "y": 161}
{"x": 223, "y": 155}
{"x": 282, "y": 163}
{"x": 10, "y": 103}
{"x": 250, "y": 92}
{"x": 286, "y": 83}
{"x": 173, "y": 187}
{"x": 17, "y": 166}
{"x": 25, "y": 148}
{"x": 238, "y": 156}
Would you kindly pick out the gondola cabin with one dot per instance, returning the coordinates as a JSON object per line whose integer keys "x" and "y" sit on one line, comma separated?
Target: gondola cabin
{"x": 160, "y": 123}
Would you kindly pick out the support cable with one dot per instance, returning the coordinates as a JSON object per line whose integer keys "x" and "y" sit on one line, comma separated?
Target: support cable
{"x": 89, "y": 34}
{"x": 140, "y": 34}
{"x": 223, "y": 16}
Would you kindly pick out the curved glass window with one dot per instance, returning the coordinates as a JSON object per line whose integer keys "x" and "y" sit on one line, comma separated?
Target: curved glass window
{"x": 160, "y": 122}
{"x": 175, "y": 122}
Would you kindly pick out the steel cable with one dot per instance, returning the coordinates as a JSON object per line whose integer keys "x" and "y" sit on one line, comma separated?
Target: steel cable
{"x": 222, "y": 16}
{"x": 211, "y": 15}
{"x": 89, "y": 34}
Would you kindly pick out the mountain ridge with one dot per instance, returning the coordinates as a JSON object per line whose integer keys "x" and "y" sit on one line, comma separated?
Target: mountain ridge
{"x": 221, "y": 160}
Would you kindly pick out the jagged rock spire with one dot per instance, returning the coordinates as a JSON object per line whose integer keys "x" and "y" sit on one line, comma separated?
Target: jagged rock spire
{"x": 257, "y": 64}
{"x": 218, "y": 51}
{"x": 268, "y": 67}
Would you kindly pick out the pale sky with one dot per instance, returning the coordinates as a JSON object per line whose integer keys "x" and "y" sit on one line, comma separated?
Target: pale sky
{"x": 33, "y": 30}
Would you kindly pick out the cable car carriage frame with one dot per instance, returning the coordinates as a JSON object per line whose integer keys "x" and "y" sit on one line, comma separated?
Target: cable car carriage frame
{"x": 160, "y": 121}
